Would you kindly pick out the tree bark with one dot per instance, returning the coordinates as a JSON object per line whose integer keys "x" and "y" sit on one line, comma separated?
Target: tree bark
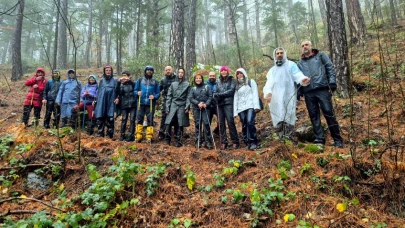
{"x": 275, "y": 25}
{"x": 191, "y": 30}
{"x": 258, "y": 32}
{"x": 226, "y": 24}
{"x": 107, "y": 42}
{"x": 393, "y": 13}
{"x": 207, "y": 34}
{"x": 245, "y": 20}
{"x": 89, "y": 34}
{"x": 356, "y": 23}
{"x": 16, "y": 69}
{"x": 314, "y": 31}
{"x": 55, "y": 40}
{"x": 63, "y": 50}
{"x": 233, "y": 34}
{"x": 338, "y": 45}
{"x": 177, "y": 33}
{"x": 322, "y": 8}
{"x": 99, "y": 42}
{"x": 139, "y": 28}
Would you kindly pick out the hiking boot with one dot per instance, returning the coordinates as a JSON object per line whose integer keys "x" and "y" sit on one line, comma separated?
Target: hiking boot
{"x": 216, "y": 131}
{"x": 167, "y": 142}
{"x": 47, "y": 126}
{"x": 130, "y": 138}
{"x": 338, "y": 144}
{"x": 161, "y": 136}
{"x": 319, "y": 141}
{"x": 253, "y": 146}
{"x": 248, "y": 146}
{"x": 122, "y": 138}
{"x": 235, "y": 146}
{"x": 208, "y": 145}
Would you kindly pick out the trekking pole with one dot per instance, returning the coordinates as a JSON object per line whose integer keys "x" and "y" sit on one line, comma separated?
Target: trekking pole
{"x": 209, "y": 124}
{"x": 32, "y": 102}
{"x": 139, "y": 102}
{"x": 151, "y": 116}
{"x": 199, "y": 132}
{"x": 84, "y": 111}
{"x": 219, "y": 125}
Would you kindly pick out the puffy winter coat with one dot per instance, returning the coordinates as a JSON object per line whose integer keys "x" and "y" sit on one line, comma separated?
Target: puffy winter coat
{"x": 200, "y": 94}
{"x": 125, "y": 94}
{"x": 148, "y": 86}
{"x": 225, "y": 90}
{"x": 320, "y": 69}
{"x": 35, "y": 95}
{"x": 51, "y": 90}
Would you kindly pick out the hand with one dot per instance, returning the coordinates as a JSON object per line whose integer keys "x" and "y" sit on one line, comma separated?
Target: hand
{"x": 215, "y": 96}
{"x": 186, "y": 111}
{"x": 268, "y": 97}
{"x": 204, "y": 106}
{"x": 139, "y": 93}
{"x": 306, "y": 81}
{"x": 76, "y": 107}
{"x": 35, "y": 86}
{"x": 86, "y": 93}
{"x": 39, "y": 78}
{"x": 332, "y": 87}
{"x": 116, "y": 101}
{"x": 200, "y": 105}
{"x": 257, "y": 110}
{"x": 167, "y": 112}
{"x": 94, "y": 103}
{"x": 44, "y": 102}
{"x": 151, "y": 97}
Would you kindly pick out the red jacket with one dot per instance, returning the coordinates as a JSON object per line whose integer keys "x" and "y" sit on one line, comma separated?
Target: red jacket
{"x": 35, "y": 95}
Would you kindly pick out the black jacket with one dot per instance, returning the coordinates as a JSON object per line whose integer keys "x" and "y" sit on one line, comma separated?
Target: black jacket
{"x": 51, "y": 90}
{"x": 200, "y": 94}
{"x": 165, "y": 84}
{"x": 125, "y": 93}
{"x": 225, "y": 90}
{"x": 320, "y": 69}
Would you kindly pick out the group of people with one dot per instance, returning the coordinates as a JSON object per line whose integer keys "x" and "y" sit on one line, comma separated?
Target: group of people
{"x": 226, "y": 97}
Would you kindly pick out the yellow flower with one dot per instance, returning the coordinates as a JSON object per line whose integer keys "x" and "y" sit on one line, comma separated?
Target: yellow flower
{"x": 341, "y": 207}
{"x": 23, "y": 197}
{"x": 294, "y": 155}
{"x": 286, "y": 218}
{"x": 236, "y": 164}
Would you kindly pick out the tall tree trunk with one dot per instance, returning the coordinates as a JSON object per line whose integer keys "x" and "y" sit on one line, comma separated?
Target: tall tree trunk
{"x": 322, "y": 8}
{"x": 314, "y": 31}
{"x": 177, "y": 33}
{"x": 191, "y": 30}
{"x": 207, "y": 34}
{"x": 231, "y": 21}
{"x": 258, "y": 32}
{"x": 338, "y": 45}
{"x": 5, "y": 52}
{"x": 377, "y": 12}
{"x": 89, "y": 34}
{"x": 393, "y": 13}
{"x": 398, "y": 10}
{"x": 139, "y": 28}
{"x": 16, "y": 69}
{"x": 226, "y": 23}
{"x": 99, "y": 42}
{"x": 274, "y": 25}
{"x": 155, "y": 30}
{"x": 368, "y": 8}
{"x": 245, "y": 20}
{"x": 357, "y": 25}
{"x": 107, "y": 42}
{"x": 63, "y": 50}
{"x": 55, "y": 40}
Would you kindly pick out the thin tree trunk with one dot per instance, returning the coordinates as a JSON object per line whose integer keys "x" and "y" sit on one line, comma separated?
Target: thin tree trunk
{"x": 5, "y": 52}
{"x": 99, "y": 42}
{"x": 63, "y": 50}
{"x": 191, "y": 30}
{"x": 207, "y": 34}
{"x": 55, "y": 40}
{"x": 233, "y": 34}
{"x": 245, "y": 20}
{"x": 357, "y": 25}
{"x": 258, "y": 32}
{"x": 338, "y": 45}
{"x": 177, "y": 33}
{"x": 16, "y": 69}
{"x": 322, "y": 8}
{"x": 107, "y": 43}
{"x": 90, "y": 34}
{"x": 315, "y": 32}
{"x": 274, "y": 26}
{"x": 393, "y": 13}
{"x": 139, "y": 28}
{"x": 226, "y": 23}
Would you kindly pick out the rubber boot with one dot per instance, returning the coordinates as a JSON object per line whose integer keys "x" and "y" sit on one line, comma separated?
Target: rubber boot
{"x": 123, "y": 128}
{"x": 179, "y": 134}
{"x": 149, "y": 134}
{"x": 100, "y": 126}
{"x": 110, "y": 127}
{"x": 131, "y": 136}
{"x": 139, "y": 132}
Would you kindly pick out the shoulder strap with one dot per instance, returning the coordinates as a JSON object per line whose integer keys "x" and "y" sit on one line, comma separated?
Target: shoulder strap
{"x": 249, "y": 83}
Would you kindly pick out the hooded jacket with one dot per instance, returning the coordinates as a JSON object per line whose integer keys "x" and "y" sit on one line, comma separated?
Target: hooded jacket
{"x": 35, "y": 95}
{"x": 125, "y": 94}
{"x": 246, "y": 96}
{"x": 165, "y": 84}
{"x": 148, "y": 86}
{"x": 280, "y": 83}
{"x": 92, "y": 89}
{"x": 177, "y": 102}
{"x": 200, "y": 94}
{"x": 69, "y": 90}
{"x": 225, "y": 90}
{"x": 52, "y": 88}
{"x": 105, "y": 106}
{"x": 320, "y": 69}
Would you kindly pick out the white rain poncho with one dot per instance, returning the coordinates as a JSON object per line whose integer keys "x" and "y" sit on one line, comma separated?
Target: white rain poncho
{"x": 280, "y": 83}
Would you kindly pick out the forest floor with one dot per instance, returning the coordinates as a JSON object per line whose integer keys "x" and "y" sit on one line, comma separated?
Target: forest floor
{"x": 278, "y": 185}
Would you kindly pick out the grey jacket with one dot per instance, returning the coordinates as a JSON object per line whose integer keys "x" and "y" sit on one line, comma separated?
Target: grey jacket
{"x": 319, "y": 69}
{"x": 176, "y": 103}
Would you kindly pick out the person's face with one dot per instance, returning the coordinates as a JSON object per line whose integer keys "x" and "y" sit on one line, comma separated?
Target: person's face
{"x": 55, "y": 75}
{"x": 71, "y": 75}
{"x": 224, "y": 73}
{"x": 212, "y": 76}
{"x": 108, "y": 71}
{"x": 125, "y": 76}
{"x": 168, "y": 70}
{"x": 149, "y": 72}
{"x": 239, "y": 74}
{"x": 181, "y": 73}
{"x": 306, "y": 47}
{"x": 279, "y": 54}
{"x": 198, "y": 79}
{"x": 91, "y": 80}
{"x": 40, "y": 73}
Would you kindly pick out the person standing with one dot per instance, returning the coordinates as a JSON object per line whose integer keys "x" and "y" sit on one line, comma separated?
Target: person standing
{"x": 105, "y": 106}
{"x": 88, "y": 96}
{"x": 147, "y": 90}
{"x": 49, "y": 97}
{"x": 34, "y": 96}
{"x": 212, "y": 83}
{"x": 127, "y": 101}
{"x": 224, "y": 96}
{"x": 68, "y": 97}
{"x": 318, "y": 94}
{"x": 176, "y": 105}
{"x": 245, "y": 105}
{"x": 280, "y": 92}
{"x": 165, "y": 83}
{"x": 200, "y": 98}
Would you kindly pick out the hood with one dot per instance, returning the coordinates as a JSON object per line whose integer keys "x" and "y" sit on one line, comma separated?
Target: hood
{"x": 91, "y": 76}
{"x": 149, "y": 68}
{"x": 245, "y": 78}
{"x": 314, "y": 52}
{"x": 58, "y": 73}
{"x": 40, "y": 69}
{"x": 274, "y": 55}
{"x": 243, "y": 71}
{"x": 71, "y": 70}
{"x": 112, "y": 71}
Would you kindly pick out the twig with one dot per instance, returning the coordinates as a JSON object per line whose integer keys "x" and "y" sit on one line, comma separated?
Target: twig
{"x": 32, "y": 199}
{"x": 386, "y": 109}
{"x": 6, "y": 80}
{"x": 19, "y": 167}
{"x": 21, "y": 212}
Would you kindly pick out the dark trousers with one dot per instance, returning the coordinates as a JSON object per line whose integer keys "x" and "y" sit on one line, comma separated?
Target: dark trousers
{"x": 201, "y": 118}
{"x": 105, "y": 122}
{"x": 168, "y": 129}
{"x": 26, "y": 114}
{"x": 51, "y": 108}
{"x": 144, "y": 110}
{"x": 248, "y": 118}
{"x": 162, "y": 121}
{"x": 322, "y": 99}
{"x": 125, "y": 113}
{"x": 226, "y": 113}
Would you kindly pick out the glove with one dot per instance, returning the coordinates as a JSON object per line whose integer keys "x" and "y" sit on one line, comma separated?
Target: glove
{"x": 216, "y": 96}
{"x": 333, "y": 87}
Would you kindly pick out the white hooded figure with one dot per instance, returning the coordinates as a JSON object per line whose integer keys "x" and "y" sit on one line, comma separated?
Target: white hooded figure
{"x": 281, "y": 91}
{"x": 245, "y": 104}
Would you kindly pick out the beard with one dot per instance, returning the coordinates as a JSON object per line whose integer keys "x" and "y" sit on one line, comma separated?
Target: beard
{"x": 212, "y": 80}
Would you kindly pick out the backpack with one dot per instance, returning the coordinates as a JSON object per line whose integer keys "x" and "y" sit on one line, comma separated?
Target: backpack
{"x": 260, "y": 100}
